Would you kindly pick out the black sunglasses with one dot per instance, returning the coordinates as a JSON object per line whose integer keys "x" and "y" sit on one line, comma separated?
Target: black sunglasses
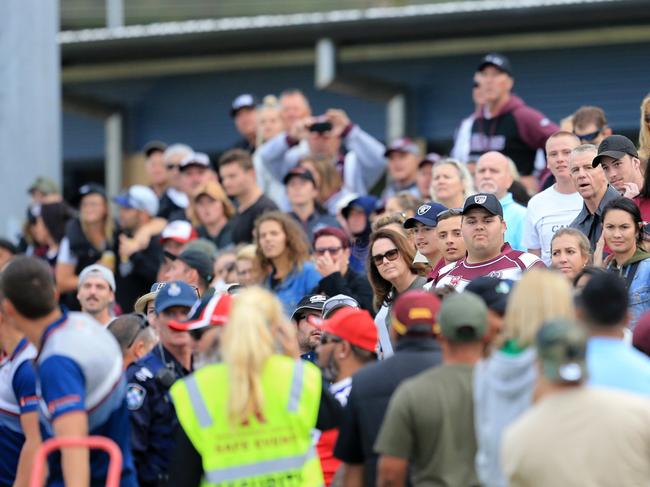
{"x": 390, "y": 255}
{"x": 588, "y": 137}
{"x": 142, "y": 324}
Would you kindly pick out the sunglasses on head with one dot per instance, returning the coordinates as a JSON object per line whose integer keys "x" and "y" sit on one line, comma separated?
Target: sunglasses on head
{"x": 588, "y": 137}
{"x": 390, "y": 255}
{"x": 142, "y": 324}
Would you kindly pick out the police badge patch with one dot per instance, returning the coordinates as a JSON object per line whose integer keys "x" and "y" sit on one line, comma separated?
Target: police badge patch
{"x": 135, "y": 396}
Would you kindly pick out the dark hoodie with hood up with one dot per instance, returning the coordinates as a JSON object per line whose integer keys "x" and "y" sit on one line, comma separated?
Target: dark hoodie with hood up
{"x": 517, "y": 131}
{"x": 360, "y": 241}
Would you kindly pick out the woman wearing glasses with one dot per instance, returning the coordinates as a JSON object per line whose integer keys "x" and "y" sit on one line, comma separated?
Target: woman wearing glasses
{"x": 332, "y": 256}
{"x": 283, "y": 251}
{"x": 391, "y": 272}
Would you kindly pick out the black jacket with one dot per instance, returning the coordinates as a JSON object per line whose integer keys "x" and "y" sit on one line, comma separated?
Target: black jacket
{"x": 351, "y": 284}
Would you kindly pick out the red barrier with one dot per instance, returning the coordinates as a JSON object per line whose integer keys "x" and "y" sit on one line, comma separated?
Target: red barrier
{"x": 92, "y": 442}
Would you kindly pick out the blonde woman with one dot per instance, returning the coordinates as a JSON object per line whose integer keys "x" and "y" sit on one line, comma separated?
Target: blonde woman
{"x": 644, "y": 132}
{"x": 247, "y": 266}
{"x": 451, "y": 183}
{"x": 235, "y": 414}
{"x": 504, "y": 383}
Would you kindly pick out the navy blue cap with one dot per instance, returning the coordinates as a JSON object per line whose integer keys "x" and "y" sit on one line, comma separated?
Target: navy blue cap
{"x": 364, "y": 203}
{"x": 497, "y": 60}
{"x": 175, "y": 293}
{"x": 493, "y": 291}
{"x": 427, "y": 214}
{"x": 487, "y": 201}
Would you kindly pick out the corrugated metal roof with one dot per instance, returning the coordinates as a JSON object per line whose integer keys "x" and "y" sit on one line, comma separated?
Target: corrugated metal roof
{"x": 163, "y": 29}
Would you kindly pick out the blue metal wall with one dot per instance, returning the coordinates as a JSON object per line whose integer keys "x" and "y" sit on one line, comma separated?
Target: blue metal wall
{"x": 194, "y": 109}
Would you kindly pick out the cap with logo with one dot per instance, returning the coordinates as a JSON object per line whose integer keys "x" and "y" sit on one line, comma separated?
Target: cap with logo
{"x": 245, "y": 100}
{"x": 337, "y": 302}
{"x": 98, "y": 270}
{"x": 310, "y": 302}
{"x": 615, "y": 146}
{"x": 197, "y": 260}
{"x": 355, "y": 326}
{"x": 180, "y": 231}
{"x": 562, "y": 348}
{"x": 175, "y": 293}
{"x": 431, "y": 158}
{"x": 142, "y": 302}
{"x": 154, "y": 146}
{"x": 43, "y": 185}
{"x": 493, "y": 291}
{"x": 427, "y": 214}
{"x": 497, "y": 60}
{"x": 211, "y": 310}
{"x": 139, "y": 197}
{"x": 402, "y": 145}
{"x": 90, "y": 188}
{"x": 463, "y": 318}
{"x": 487, "y": 201}
{"x": 196, "y": 159}
{"x": 299, "y": 172}
{"x": 415, "y": 313}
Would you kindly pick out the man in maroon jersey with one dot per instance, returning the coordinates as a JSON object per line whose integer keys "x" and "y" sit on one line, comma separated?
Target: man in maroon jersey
{"x": 488, "y": 254}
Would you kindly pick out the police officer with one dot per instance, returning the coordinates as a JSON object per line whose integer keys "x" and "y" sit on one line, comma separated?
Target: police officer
{"x": 153, "y": 419}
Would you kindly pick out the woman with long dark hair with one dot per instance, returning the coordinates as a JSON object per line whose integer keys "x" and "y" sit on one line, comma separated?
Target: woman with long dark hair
{"x": 622, "y": 233}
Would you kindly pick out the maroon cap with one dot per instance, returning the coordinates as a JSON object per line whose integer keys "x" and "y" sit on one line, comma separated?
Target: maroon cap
{"x": 641, "y": 335}
{"x": 299, "y": 172}
{"x": 431, "y": 158}
{"x": 402, "y": 145}
{"x": 332, "y": 232}
{"x": 415, "y": 312}
{"x": 355, "y": 326}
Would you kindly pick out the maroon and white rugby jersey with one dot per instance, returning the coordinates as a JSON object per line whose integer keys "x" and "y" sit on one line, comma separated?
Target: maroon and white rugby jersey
{"x": 509, "y": 264}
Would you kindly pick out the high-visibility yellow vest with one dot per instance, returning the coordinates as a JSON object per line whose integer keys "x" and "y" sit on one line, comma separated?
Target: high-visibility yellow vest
{"x": 274, "y": 450}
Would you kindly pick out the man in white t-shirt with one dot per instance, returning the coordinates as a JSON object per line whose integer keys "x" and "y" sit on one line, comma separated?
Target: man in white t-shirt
{"x": 557, "y": 206}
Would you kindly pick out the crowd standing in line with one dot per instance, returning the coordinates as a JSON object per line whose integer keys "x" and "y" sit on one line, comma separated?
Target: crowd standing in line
{"x": 317, "y": 307}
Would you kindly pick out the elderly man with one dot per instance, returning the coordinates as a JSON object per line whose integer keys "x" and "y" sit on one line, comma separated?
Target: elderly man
{"x": 494, "y": 175}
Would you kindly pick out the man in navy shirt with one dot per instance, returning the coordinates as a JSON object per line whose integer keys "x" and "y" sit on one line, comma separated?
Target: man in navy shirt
{"x": 79, "y": 373}
{"x": 19, "y": 430}
{"x": 153, "y": 417}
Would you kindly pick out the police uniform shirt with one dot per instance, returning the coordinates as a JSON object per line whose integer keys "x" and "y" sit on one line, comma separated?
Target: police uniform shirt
{"x": 17, "y": 397}
{"x": 153, "y": 419}
{"x": 79, "y": 368}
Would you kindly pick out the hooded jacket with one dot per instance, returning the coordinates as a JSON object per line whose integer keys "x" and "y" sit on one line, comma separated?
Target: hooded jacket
{"x": 517, "y": 131}
{"x": 503, "y": 390}
{"x": 636, "y": 271}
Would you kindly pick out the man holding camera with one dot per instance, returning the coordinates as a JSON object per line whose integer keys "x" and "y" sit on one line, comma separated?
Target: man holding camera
{"x": 360, "y": 167}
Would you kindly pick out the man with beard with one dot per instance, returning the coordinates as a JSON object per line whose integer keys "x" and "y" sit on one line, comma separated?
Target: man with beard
{"x": 96, "y": 292}
{"x": 309, "y": 308}
{"x": 348, "y": 342}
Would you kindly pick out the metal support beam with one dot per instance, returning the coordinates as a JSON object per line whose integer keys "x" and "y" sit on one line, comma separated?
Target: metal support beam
{"x": 113, "y": 153}
{"x": 114, "y": 13}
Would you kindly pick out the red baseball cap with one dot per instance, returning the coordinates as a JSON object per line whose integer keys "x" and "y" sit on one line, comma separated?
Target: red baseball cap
{"x": 212, "y": 310}
{"x": 415, "y": 312}
{"x": 355, "y": 326}
{"x": 180, "y": 231}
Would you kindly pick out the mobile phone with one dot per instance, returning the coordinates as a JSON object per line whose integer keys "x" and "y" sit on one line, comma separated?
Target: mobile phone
{"x": 321, "y": 125}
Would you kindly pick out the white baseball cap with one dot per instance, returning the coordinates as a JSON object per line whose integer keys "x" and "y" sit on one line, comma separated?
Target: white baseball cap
{"x": 98, "y": 270}
{"x": 139, "y": 197}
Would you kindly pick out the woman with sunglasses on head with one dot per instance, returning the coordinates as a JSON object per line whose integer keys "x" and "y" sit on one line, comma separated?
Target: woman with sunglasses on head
{"x": 283, "y": 252}
{"x": 451, "y": 183}
{"x": 391, "y": 272}
{"x": 332, "y": 258}
{"x": 622, "y": 233}
{"x": 570, "y": 252}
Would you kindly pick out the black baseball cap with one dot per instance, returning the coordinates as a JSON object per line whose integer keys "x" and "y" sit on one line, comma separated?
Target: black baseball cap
{"x": 494, "y": 292}
{"x": 487, "y": 201}
{"x": 310, "y": 302}
{"x": 198, "y": 260}
{"x": 497, "y": 60}
{"x": 615, "y": 146}
{"x": 427, "y": 214}
{"x": 245, "y": 100}
{"x": 90, "y": 188}
{"x": 431, "y": 158}
{"x": 299, "y": 172}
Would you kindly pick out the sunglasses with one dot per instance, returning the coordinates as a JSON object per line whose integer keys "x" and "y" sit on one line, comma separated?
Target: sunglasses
{"x": 172, "y": 167}
{"x": 391, "y": 255}
{"x": 325, "y": 339}
{"x": 142, "y": 325}
{"x": 588, "y": 137}
{"x": 325, "y": 250}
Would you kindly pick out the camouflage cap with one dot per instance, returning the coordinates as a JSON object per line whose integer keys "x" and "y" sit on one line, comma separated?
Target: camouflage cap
{"x": 562, "y": 348}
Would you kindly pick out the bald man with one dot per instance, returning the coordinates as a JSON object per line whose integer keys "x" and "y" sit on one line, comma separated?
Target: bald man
{"x": 494, "y": 175}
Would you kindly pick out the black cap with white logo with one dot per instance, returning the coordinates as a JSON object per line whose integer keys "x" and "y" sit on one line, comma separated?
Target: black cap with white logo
{"x": 486, "y": 201}
{"x": 310, "y": 302}
{"x": 497, "y": 60}
{"x": 615, "y": 146}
